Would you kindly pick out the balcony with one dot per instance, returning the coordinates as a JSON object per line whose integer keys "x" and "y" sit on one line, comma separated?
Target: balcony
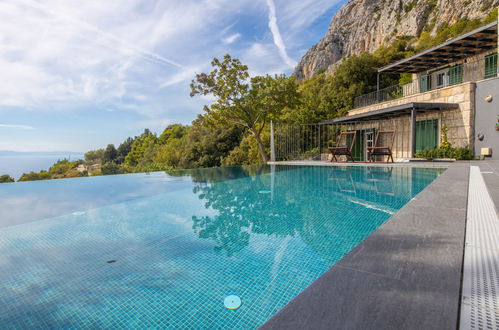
{"x": 448, "y": 76}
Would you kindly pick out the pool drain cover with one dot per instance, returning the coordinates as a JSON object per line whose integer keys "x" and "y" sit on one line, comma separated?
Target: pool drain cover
{"x": 264, "y": 192}
{"x": 232, "y": 302}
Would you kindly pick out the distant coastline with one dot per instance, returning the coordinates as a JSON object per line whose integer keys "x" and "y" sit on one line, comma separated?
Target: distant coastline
{"x": 15, "y": 163}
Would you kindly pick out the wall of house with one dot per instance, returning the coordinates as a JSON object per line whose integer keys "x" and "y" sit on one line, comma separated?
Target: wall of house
{"x": 459, "y": 122}
{"x": 402, "y": 146}
{"x": 486, "y": 116}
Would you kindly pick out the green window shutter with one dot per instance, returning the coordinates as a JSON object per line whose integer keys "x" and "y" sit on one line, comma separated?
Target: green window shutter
{"x": 456, "y": 74}
{"x": 426, "y": 134}
{"x": 491, "y": 66}
{"x": 425, "y": 83}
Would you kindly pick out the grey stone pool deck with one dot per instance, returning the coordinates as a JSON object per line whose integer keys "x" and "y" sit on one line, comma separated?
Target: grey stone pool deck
{"x": 407, "y": 274}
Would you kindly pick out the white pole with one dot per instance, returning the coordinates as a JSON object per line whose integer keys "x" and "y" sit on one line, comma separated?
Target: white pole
{"x": 272, "y": 145}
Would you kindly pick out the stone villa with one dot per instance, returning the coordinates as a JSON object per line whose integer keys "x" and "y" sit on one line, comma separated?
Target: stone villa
{"x": 455, "y": 85}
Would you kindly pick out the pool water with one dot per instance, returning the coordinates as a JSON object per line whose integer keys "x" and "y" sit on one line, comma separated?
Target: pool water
{"x": 166, "y": 249}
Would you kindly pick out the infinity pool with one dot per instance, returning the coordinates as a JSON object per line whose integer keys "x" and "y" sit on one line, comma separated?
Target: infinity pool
{"x": 165, "y": 249}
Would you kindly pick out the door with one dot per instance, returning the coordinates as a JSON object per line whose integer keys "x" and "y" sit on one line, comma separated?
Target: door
{"x": 358, "y": 147}
{"x": 426, "y": 134}
{"x": 369, "y": 142}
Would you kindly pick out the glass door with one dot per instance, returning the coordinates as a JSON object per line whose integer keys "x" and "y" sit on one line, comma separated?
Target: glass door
{"x": 369, "y": 138}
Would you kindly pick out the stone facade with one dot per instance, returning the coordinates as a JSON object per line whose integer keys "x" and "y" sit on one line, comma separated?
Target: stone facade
{"x": 459, "y": 121}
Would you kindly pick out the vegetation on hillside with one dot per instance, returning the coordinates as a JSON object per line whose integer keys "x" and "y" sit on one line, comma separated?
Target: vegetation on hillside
{"x": 6, "y": 178}
{"x": 234, "y": 128}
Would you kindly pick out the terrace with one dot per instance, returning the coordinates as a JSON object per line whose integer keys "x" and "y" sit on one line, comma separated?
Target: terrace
{"x": 452, "y": 63}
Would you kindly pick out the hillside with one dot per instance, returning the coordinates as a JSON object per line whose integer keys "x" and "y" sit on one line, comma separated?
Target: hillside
{"x": 365, "y": 25}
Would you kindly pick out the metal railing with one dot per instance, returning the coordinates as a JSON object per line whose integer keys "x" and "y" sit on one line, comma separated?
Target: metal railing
{"x": 312, "y": 141}
{"x": 469, "y": 72}
{"x": 387, "y": 94}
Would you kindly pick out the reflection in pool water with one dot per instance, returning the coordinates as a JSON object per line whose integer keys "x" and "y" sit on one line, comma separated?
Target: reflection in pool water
{"x": 183, "y": 241}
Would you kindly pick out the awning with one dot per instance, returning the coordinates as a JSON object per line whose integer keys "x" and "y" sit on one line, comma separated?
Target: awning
{"x": 453, "y": 50}
{"x": 395, "y": 111}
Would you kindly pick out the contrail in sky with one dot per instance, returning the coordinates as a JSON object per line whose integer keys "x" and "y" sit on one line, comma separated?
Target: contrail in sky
{"x": 17, "y": 126}
{"x": 274, "y": 28}
{"x": 145, "y": 53}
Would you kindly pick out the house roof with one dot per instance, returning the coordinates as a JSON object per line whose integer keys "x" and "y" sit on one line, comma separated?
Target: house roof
{"x": 391, "y": 112}
{"x": 453, "y": 50}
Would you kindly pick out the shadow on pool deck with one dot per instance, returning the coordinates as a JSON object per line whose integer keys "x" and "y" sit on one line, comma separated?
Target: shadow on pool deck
{"x": 406, "y": 275}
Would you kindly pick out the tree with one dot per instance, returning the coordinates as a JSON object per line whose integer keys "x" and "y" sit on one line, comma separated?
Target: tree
{"x": 175, "y": 131}
{"x": 6, "y": 178}
{"x": 124, "y": 148}
{"x": 110, "y": 168}
{"x": 141, "y": 146}
{"x": 110, "y": 154}
{"x": 94, "y": 156}
{"x": 244, "y": 101}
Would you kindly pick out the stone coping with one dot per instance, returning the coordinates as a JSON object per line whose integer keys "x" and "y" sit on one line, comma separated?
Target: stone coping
{"x": 406, "y": 275}
{"x": 439, "y": 164}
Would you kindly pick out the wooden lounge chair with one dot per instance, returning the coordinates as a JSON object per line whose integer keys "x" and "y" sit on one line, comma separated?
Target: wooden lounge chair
{"x": 382, "y": 148}
{"x": 344, "y": 149}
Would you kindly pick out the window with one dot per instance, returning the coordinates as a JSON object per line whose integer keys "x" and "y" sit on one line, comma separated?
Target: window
{"x": 426, "y": 134}
{"x": 491, "y": 66}
{"x": 456, "y": 74}
{"x": 441, "y": 79}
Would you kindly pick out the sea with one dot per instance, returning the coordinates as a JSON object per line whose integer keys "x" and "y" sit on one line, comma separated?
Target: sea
{"x": 16, "y": 163}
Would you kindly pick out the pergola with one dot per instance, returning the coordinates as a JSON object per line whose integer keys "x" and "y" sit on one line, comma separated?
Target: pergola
{"x": 453, "y": 50}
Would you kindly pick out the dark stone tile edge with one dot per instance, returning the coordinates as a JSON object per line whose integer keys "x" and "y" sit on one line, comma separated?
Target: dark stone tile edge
{"x": 405, "y": 275}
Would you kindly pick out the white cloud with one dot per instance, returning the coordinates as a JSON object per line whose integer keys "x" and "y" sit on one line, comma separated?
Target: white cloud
{"x": 181, "y": 76}
{"x": 136, "y": 57}
{"x": 232, "y": 38}
{"x": 108, "y": 37}
{"x": 156, "y": 125}
{"x": 17, "y": 126}
{"x": 274, "y": 28}
{"x": 297, "y": 16}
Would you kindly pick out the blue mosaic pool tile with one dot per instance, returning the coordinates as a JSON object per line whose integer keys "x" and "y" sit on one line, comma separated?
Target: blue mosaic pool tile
{"x": 178, "y": 253}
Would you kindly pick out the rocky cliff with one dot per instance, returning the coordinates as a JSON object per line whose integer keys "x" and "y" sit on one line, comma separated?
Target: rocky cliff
{"x": 364, "y": 25}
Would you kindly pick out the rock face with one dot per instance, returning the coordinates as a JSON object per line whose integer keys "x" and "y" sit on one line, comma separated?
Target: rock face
{"x": 364, "y": 25}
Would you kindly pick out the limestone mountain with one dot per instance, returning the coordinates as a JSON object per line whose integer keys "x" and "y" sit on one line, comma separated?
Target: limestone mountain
{"x": 365, "y": 25}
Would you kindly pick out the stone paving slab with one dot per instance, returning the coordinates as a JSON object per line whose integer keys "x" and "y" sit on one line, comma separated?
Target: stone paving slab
{"x": 406, "y": 275}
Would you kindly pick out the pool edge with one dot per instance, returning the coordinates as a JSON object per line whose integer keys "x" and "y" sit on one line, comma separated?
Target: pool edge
{"x": 407, "y": 274}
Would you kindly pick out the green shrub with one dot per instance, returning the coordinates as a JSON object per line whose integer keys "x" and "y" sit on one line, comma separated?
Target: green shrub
{"x": 110, "y": 168}
{"x": 455, "y": 153}
{"x": 33, "y": 176}
{"x": 6, "y": 178}
{"x": 410, "y": 6}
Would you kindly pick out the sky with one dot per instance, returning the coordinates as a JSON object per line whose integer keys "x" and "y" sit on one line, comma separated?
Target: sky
{"x": 77, "y": 75}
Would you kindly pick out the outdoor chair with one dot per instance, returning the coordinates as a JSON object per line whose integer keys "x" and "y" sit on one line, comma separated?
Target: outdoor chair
{"x": 382, "y": 145}
{"x": 343, "y": 149}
